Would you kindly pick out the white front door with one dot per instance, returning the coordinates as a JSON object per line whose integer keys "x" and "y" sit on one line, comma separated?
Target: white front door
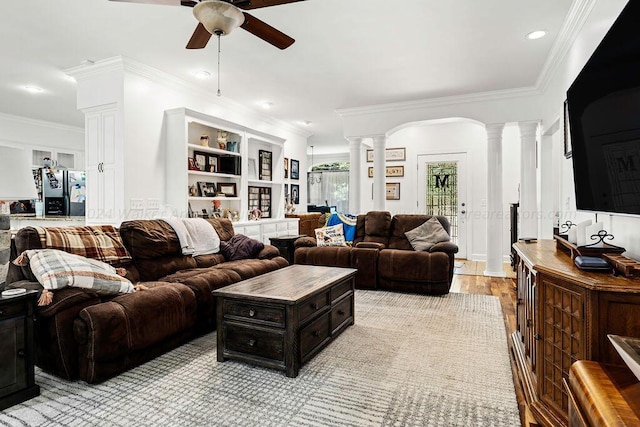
{"x": 442, "y": 190}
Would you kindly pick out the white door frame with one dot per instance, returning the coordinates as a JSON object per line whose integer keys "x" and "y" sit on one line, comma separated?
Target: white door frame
{"x": 463, "y": 200}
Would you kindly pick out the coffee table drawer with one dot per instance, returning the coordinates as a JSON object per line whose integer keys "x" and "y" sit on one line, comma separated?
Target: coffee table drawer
{"x": 314, "y": 335}
{"x": 261, "y": 342}
{"x": 340, "y": 289}
{"x": 261, "y": 313}
{"x": 341, "y": 313}
{"x": 311, "y": 306}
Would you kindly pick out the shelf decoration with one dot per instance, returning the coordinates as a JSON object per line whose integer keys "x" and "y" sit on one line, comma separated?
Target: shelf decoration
{"x": 265, "y": 165}
{"x": 295, "y": 169}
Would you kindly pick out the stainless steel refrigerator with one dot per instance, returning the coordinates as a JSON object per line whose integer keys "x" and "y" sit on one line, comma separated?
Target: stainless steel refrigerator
{"x": 63, "y": 192}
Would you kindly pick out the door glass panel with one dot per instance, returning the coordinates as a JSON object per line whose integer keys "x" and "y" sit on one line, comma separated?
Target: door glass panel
{"x": 66, "y": 159}
{"x": 442, "y": 193}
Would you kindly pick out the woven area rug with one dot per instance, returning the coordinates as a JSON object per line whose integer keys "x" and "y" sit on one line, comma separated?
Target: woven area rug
{"x": 408, "y": 361}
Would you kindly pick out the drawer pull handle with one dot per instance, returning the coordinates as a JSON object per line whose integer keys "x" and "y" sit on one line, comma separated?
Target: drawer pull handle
{"x": 252, "y": 313}
{"x": 314, "y": 305}
{"x": 252, "y": 343}
{"x": 341, "y": 312}
{"x": 316, "y": 333}
{"x": 21, "y": 353}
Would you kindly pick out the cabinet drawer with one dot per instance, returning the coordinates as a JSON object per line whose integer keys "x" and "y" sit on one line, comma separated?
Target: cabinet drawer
{"x": 253, "y": 230}
{"x": 281, "y": 226}
{"x": 312, "y": 305}
{"x": 259, "y": 313}
{"x": 12, "y": 309}
{"x": 261, "y": 342}
{"x": 341, "y": 312}
{"x": 314, "y": 335}
{"x": 269, "y": 228}
{"x": 340, "y": 289}
{"x": 293, "y": 226}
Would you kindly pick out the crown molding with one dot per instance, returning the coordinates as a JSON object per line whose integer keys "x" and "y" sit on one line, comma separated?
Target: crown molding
{"x": 121, "y": 63}
{"x": 439, "y": 102}
{"x": 42, "y": 123}
{"x": 573, "y": 23}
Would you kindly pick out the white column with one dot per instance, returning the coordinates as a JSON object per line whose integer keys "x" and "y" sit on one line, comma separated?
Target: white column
{"x": 495, "y": 213}
{"x": 528, "y": 186}
{"x": 379, "y": 187}
{"x": 548, "y": 195}
{"x": 355, "y": 171}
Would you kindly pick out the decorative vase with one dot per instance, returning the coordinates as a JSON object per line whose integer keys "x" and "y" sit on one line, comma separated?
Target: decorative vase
{"x": 204, "y": 140}
{"x": 222, "y": 139}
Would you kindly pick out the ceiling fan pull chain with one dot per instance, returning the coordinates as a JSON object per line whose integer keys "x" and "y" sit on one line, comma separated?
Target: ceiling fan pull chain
{"x": 219, "y": 93}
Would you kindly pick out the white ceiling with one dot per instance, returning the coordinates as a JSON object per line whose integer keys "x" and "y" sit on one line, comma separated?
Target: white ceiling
{"x": 348, "y": 53}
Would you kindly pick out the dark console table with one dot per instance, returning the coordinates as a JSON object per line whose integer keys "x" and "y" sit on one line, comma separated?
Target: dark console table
{"x": 285, "y": 245}
{"x": 17, "y": 382}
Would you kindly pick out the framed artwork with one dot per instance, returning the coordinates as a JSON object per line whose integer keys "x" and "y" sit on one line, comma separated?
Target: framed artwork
{"x": 213, "y": 163}
{"x": 192, "y": 164}
{"x": 393, "y": 191}
{"x": 286, "y": 190}
{"x": 295, "y": 193}
{"x": 390, "y": 155}
{"x": 227, "y": 188}
{"x": 390, "y": 171}
{"x": 201, "y": 160}
{"x": 264, "y": 166}
{"x": 295, "y": 169}
{"x": 286, "y": 167}
{"x": 207, "y": 189}
{"x": 568, "y": 149}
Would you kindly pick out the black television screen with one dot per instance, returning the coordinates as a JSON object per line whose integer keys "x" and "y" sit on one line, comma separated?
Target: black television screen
{"x": 604, "y": 117}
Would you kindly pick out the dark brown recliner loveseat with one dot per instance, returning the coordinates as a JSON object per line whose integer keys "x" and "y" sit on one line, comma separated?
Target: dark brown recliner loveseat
{"x": 92, "y": 337}
{"x": 384, "y": 257}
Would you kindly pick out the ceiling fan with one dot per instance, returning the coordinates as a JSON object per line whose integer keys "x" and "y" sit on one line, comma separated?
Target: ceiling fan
{"x": 220, "y": 17}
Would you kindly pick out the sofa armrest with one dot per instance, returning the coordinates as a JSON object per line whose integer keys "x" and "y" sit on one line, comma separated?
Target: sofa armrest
{"x": 370, "y": 245}
{"x": 305, "y": 242}
{"x": 268, "y": 252}
{"x": 446, "y": 247}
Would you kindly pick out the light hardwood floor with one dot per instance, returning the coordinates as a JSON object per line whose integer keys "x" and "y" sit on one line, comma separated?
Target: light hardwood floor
{"x": 505, "y": 290}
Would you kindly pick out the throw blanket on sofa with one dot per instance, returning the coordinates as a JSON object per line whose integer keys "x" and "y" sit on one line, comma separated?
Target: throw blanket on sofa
{"x": 348, "y": 224}
{"x": 196, "y": 236}
{"x": 101, "y": 242}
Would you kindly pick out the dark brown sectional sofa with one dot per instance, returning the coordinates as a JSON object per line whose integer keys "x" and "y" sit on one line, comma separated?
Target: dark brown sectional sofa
{"x": 384, "y": 257}
{"x": 92, "y": 337}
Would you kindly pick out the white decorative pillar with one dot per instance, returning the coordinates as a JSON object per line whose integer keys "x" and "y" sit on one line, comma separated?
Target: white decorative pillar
{"x": 495, "y": 212}
{"x": 550, "y": 195}
{"x": 355, "y": 144}
{"x": 528, "y": 186}
{"x": 379, "y": 192}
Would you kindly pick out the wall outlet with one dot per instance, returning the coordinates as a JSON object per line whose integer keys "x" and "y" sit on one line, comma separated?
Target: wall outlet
{"x": 153, "y": 204}
{"x": 136, "y": 204}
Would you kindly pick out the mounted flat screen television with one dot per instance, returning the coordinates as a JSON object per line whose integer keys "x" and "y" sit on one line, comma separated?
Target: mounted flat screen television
{"x": 604, "y": 121}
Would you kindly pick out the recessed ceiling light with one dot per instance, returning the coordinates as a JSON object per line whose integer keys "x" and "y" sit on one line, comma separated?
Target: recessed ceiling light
{"x": 267, "y": 105}
{"x": 202, "y": 74}
{"x": 33, "y": 89}
{"x": 536, "y": 34}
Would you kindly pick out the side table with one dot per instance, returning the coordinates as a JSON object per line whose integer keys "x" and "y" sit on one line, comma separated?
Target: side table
{"x": 285, "y": 245}
{"x": 17, "y": 382}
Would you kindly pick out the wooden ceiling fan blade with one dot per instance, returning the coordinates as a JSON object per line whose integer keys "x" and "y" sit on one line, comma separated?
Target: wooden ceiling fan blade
{"x": 200, "y": 38}
{"x": 266, "y": 32}
{"x": 255, "y": 4}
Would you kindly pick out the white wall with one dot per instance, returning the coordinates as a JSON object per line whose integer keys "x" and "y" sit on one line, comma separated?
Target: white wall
{"x": 23, "y": 132}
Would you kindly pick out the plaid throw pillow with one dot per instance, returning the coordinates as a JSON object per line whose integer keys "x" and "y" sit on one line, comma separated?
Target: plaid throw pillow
{"x": 101, "y": 242}
{"x": 56, "y": 269}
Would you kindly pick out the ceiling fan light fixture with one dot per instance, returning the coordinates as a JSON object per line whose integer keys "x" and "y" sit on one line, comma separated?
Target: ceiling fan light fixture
{"x": 218, "y": 16}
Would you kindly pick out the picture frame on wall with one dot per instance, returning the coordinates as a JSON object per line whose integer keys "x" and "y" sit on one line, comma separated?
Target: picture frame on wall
{"x": 295, "y": 193}
{"x": 393, "y": 191}
{"x": 390, "y": 155}
{"x": 286, "y": 167}
{"x": 295, "y": 169}
{"x": 390, "y": 171}
{"x": 228, "y": 189}
{"x": 568, "y": 150}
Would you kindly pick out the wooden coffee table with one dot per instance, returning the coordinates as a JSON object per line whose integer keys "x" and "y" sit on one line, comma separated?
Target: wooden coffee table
{"x": 284, "y": 318}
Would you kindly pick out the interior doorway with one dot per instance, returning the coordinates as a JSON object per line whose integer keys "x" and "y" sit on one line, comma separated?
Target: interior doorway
{"x": 442, "y": 190}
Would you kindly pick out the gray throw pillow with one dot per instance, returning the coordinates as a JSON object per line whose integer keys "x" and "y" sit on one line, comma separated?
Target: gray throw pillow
{"x": 427, "y": 235}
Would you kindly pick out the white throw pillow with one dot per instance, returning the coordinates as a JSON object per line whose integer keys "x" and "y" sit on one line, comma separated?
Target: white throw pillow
{"x": 427, "y": 235}
{"x": 332, "y": 235}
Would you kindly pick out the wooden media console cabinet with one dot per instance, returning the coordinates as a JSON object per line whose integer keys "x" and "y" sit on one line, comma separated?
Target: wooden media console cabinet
{"x": 563, "y": 315}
